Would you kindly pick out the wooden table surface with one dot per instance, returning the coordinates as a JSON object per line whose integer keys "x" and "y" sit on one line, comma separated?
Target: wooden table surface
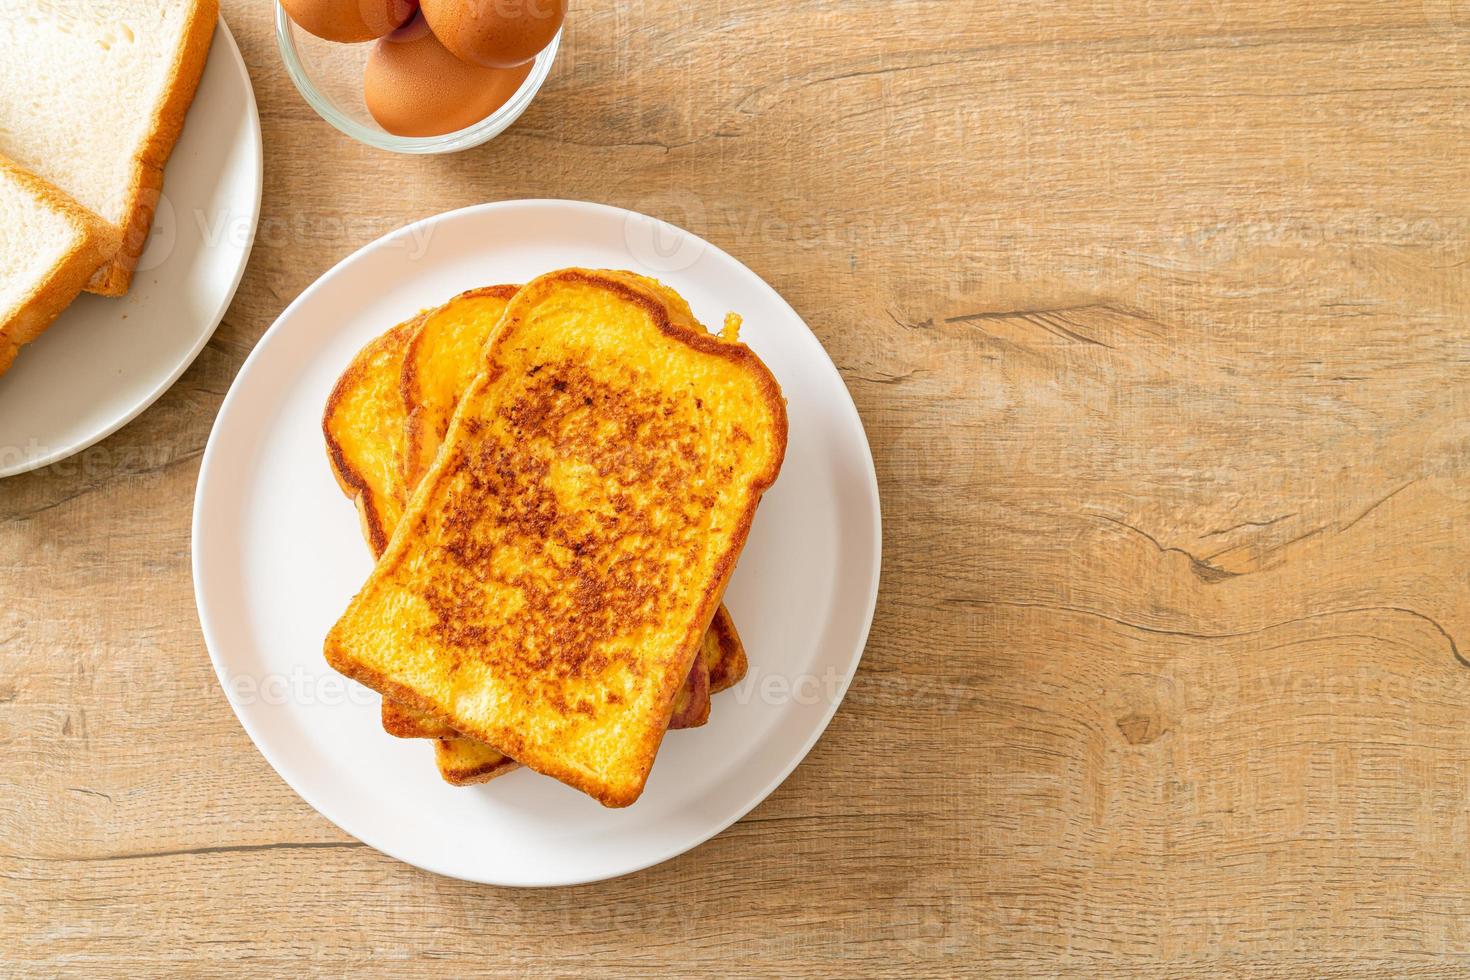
{"x": 1156, "y": 315}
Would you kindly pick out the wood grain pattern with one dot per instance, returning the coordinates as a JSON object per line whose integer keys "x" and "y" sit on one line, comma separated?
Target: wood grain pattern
{"x": 1156, "y": 315}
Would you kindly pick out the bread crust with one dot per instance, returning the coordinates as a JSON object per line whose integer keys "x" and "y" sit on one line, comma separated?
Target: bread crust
{"x": 730, "y": 668}
{"x": 691, "y": 704}
{"x": 352, "y": 482}
{"x": 642, "y": 755}
{"x": 482, "y": 767}
{"x": 96, "y": 242}
{"x": 114, "y": 278}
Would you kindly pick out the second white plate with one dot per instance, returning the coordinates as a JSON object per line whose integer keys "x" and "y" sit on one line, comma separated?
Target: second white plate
{"x": 106, "y": 359}
{"x": 278, "y": 554}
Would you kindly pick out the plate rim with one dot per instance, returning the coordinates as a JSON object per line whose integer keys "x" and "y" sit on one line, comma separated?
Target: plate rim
{"x": 739, "y": 812}
{"x": 60, "y": 453}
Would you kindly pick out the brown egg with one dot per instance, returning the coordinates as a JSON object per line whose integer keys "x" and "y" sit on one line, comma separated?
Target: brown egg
{"x": 496, "y": 33}
{"x": 349, "y": 20}
{"x": 413, "y": 86}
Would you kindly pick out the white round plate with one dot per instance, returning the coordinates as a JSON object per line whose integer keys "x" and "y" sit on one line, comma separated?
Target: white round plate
{"x": 105, "y": 359}
{"x": 278, "y": 554}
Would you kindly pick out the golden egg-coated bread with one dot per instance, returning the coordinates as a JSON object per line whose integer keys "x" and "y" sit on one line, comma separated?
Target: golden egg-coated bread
{"x": 393, "y": 403}
{"x": 442, "y": 358}
{"x": 549, "y": 583}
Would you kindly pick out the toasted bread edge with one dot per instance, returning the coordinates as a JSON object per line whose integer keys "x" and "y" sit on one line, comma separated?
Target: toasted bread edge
{"x": 730, "y": 669}
{"x": 352, "y": 483}
{"x": 457, "y": 772}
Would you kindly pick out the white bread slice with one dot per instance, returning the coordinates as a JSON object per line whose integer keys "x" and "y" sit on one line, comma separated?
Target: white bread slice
{"x": 92, "y": 98}
{"x": 49, "y": 246}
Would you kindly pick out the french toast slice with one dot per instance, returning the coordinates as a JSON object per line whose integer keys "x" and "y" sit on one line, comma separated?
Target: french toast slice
{"x": 368, "y": 431}
{"x": 439, "y": 361}
{"x": 548, "y": 585}
{"x": 365, "y": 419}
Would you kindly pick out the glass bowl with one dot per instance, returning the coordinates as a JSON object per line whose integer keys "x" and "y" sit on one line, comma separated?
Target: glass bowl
{"x": 329, "y": 76}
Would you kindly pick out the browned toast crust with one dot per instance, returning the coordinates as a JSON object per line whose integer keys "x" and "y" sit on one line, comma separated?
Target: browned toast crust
{"x": 465, "y": 763}
{"x": 732, "y": 664}
{"x": 357, "y": 485}
{"x": 691, "y": 704}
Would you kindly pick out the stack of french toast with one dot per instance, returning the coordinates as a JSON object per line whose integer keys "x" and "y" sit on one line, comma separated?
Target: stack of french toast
{"x": 556, "y": 480}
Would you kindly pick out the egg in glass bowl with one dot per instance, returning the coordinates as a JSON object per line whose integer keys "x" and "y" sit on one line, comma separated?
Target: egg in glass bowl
{"x": 433, "y": 102}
